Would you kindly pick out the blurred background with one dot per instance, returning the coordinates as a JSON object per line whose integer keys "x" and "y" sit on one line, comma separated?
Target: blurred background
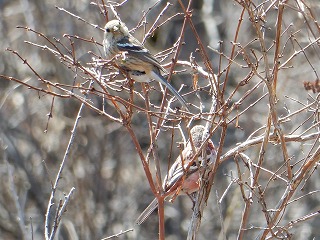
{"x": 111, "y": 189}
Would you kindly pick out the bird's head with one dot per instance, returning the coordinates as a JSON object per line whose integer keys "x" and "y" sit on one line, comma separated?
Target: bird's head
{"x": 115, "y": 29}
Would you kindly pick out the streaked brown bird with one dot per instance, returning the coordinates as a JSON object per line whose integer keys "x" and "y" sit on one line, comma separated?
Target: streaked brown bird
{"x": 133, "y": 57}
{"x": 182, "y": 177}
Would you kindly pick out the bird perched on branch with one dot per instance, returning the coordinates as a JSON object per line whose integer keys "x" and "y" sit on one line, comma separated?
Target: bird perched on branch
{"x": 133, "y": 58}
{"x": 184, "y": 176}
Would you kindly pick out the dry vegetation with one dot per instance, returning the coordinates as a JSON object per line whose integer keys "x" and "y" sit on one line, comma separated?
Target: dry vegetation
{"x": 78, "y": 139}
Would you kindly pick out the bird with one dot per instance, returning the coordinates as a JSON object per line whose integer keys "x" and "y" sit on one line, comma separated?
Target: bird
{"x": 132, "y": 57}
{"x": 181, "y": 179}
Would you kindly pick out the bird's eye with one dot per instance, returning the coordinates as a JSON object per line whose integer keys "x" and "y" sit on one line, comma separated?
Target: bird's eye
{"x": 108, "y": 30}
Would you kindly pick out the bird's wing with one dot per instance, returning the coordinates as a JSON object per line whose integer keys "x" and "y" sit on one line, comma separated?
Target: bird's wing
{"x": 136, "y": 49}
{"x": 176, "y": 172}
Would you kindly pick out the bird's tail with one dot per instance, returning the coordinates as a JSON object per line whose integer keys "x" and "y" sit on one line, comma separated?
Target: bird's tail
{"x": 147, "y": 212}
{"x": 163, "y": 81}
